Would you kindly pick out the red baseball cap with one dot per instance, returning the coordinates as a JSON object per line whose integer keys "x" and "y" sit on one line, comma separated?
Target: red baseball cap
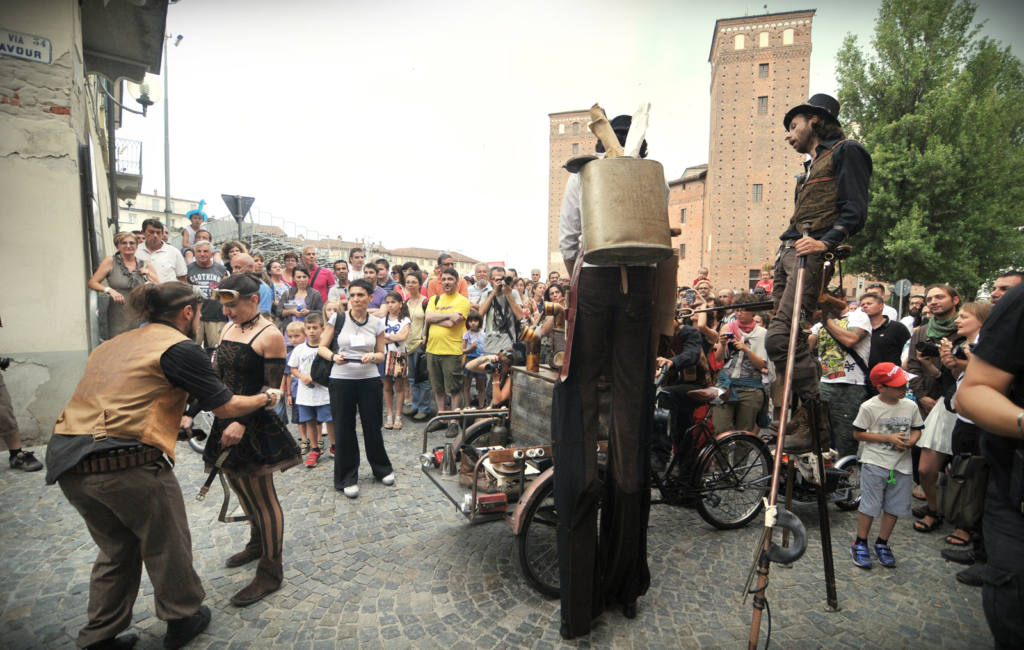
{"x": 888, "y": 374}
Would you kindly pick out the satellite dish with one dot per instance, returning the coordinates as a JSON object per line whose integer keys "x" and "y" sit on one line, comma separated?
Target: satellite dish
{"x": 146, "y": 93}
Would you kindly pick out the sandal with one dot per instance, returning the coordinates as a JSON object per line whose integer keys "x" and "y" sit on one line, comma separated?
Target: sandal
{"x": 398, "y": 422}
{"x": 389, "y": 423}
{"x": 922, "y": 527}
{"x": 919, "y": 493}
{"x": 955, "y": 540}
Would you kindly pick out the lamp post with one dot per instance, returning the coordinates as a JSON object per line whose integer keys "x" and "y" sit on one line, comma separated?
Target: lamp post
{"x": 167, "y": 137}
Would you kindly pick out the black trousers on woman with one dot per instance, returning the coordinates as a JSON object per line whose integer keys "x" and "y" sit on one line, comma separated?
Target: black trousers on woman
{"x": 366, "y": 396}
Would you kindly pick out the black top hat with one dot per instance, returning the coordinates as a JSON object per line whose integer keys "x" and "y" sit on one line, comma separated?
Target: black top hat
{"x": 620, "y": 124}
{"x": 821, "y": 104}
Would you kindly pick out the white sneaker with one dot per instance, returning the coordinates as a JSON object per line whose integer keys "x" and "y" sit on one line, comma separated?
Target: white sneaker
{"x": 351, "y": 491}
{"x": 389, "y": 479}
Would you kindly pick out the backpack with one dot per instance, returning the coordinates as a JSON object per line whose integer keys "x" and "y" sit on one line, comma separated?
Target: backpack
{"x": 320, "y": 371}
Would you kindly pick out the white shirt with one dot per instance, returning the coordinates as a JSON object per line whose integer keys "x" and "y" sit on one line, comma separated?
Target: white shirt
{"x": 353, "y": 274}
{"x": 167, "y": 260}
{"x": 353, "y": 342}
{"x": 875, "y": 416}
{"x": 302, "y": 358}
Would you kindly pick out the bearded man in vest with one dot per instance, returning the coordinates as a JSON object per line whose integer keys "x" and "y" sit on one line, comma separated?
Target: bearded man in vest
{"x": 112, "y": 451}
{"x": 832, "y": 200}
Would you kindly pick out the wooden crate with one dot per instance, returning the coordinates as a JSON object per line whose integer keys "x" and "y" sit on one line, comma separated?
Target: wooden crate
{"x": 531, "y": 406}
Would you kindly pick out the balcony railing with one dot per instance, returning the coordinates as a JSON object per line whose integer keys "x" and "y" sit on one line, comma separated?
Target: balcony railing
{"x": 128, "y": 157}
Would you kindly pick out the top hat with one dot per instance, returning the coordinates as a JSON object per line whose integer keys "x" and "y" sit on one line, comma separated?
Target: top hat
{"x": 821, "y": 104}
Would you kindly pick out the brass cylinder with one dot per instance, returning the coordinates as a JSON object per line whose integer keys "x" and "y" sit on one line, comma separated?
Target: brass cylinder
{"x": 625, "y": 212}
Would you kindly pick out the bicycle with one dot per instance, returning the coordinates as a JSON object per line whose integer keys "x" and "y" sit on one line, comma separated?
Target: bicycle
{"x": 729, "y": 476}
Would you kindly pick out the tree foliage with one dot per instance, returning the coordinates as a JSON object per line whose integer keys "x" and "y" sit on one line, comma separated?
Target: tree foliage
{"x": 941, "y": 110}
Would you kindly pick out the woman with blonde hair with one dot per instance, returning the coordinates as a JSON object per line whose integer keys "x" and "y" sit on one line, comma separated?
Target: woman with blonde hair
{"x": 122, "y": 272}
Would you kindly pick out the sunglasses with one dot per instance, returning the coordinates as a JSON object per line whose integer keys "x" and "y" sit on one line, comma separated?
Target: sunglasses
{"x": 227, "y": 297}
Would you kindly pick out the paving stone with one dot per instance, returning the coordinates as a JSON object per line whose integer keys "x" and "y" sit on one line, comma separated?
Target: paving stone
{"x": 400, "y": 568}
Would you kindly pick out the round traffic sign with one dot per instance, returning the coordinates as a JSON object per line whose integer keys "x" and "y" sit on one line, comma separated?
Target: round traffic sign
{"x": 902, "y": 287}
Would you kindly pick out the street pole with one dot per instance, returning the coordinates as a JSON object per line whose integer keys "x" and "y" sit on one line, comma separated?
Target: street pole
{"x": 167, "y": 145}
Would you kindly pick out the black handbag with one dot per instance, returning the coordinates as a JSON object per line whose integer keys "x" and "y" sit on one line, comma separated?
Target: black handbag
{"x": 320, "y": 371}
{"x": 961, "y": 491}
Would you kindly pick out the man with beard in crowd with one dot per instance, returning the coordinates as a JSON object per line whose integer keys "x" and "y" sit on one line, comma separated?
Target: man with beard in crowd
{"x": 913, "y": 317}
{"x": 501, "y": 310}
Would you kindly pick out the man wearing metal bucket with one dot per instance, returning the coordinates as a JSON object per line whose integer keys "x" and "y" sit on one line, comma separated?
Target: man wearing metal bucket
{"x": 611, "y": 307}
{"x": 831, "y": 206}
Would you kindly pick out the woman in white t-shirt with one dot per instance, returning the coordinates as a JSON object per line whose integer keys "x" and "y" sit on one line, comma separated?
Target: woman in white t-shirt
{"x": 356, "y": 385}
{"x": 396, "y": 331}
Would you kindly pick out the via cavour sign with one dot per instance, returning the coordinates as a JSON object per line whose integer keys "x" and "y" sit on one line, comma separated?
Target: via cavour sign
{"x": 26, "y": 46}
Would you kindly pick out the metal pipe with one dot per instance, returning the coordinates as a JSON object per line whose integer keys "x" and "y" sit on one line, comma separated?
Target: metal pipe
{"x": 787, "y": 390}
{"x": 167, "y": 144}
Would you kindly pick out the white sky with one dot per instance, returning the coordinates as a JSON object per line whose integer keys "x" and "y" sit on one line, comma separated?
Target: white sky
{"x": 425, "y": 123}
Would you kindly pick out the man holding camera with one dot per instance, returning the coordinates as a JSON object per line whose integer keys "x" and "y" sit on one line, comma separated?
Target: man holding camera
{"x": 501, "y": 309}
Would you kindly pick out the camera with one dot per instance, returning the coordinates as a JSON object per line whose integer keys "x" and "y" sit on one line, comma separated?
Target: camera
{"x": 690, "y": 296}
{"x": 927, "y": 349}
{"x": 960, "y": 350}
{"x": 5, "y": 362}
{"x": 506, "y": 359}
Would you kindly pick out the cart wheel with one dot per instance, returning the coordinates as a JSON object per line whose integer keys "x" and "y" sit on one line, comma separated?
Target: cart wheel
{"x": 538, "y": 542}
{"x": 733, "y": 476}
{"x": 849, "y": 487}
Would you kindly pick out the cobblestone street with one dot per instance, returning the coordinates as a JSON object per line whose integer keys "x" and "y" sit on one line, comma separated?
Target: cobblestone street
{"x": 399, "y": 567}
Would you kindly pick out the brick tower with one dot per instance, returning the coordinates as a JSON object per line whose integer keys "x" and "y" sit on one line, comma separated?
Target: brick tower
{"x": 759, "y": 70}
{"x": 569, "y": 136}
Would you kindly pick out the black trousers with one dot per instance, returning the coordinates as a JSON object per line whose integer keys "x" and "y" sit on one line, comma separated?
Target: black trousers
{"x": 805, "y": 369}
{"x": 612, "y": 337}
{"x": 682, "y": 407}
{"x": 1002, "y": 595}
{"x": 366, "y": 396}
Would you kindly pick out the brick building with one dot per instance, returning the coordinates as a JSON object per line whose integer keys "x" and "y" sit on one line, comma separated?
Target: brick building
{"x": 759, "y": 69}
{"x": 569, "y": 136}
{"x": 733, "y": 208}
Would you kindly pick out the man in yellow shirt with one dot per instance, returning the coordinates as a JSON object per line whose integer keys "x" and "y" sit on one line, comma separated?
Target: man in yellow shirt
{"x": 446, "y": 315}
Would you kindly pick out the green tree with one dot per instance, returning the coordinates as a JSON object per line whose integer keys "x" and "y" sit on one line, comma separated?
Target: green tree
{"x": 941, "y": 110}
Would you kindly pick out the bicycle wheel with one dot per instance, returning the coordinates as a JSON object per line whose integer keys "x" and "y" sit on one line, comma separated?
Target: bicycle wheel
{"x": 734, "y": 475}
{"x": 849, "y": 487}
{"x": 203, "y": 421}
{"x": 538, "y": 542}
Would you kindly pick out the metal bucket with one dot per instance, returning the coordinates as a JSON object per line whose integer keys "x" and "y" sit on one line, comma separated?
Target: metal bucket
{"x": 625, "y": 212}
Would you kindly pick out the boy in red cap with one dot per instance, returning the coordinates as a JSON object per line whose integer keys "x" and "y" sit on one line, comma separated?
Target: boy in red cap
{"x": 888, "y": 425}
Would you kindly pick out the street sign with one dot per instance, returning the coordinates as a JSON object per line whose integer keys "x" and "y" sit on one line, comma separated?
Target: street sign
{"x": 238, "y": 205}
{"x": 902, "y": 287}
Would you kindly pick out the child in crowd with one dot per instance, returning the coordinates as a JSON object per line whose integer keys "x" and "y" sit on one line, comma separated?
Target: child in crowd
{"x": 331, "y": 307}
{"x": 396, "y": 330}
{"x": 702, "y": 274}
{"x": 473, "y": 347}
{"x": 887, "y": 425}
{"x": 312, "y": 399}
{"x": 295, "y": 332}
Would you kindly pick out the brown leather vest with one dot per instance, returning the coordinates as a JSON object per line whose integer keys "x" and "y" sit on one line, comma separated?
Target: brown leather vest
{"x": 816, "y": 199}
{"x": 124, "y": 393}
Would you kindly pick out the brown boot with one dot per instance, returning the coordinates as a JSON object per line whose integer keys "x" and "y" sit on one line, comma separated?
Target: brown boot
{"x": 269, "y": 574}
{"x": 252, "y": 551}
{"x": 798, "y": 434}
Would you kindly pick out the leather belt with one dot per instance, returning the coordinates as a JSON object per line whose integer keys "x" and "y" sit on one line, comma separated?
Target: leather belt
{"x": 115, "y": 460}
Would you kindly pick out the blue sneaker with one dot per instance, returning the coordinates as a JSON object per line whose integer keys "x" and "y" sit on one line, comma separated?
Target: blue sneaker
{"x": 885, "y": 556}
{"x": 861, "y": 556}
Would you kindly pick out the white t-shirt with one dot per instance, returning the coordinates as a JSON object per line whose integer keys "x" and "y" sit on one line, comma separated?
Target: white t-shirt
{"x": 354, "y": 341}
{"x": 838, "y": 367}
{"x": 167, "y": 260}
{"x": 875, "y": 416}
{"x": 302, "y": 358}
{"x": 392, "y": 327}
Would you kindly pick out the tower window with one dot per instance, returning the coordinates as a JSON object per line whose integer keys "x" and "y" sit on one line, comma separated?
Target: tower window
{"x": 682, "y": 216}
{"x": 787, "y": 37}
{"x": 575, "y": 148}
{"x": 756, "y": 194}
{"x": 575, "y": 128}
{"x": 740, "y": 42}
{"x": 762, "y": 70}
{"x": 762, "y": 105}
{"x": 762, "y": 39}
{"x": 682, "y": 251}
